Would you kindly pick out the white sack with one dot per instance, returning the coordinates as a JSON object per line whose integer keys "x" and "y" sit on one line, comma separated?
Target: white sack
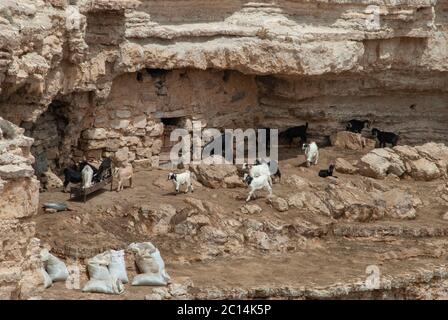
{"x": 55, "y": 268}
{"x": 111, "y": 285}
{"x": 117, "y": 265}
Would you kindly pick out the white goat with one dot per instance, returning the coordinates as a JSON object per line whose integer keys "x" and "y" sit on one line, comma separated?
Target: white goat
{"x": 311, "y": 153}
{"x": 180, "y": 179}
{"x": 124, "y": 173}
{"x": 86, "y": 177}
{"x": 258, "y": 183}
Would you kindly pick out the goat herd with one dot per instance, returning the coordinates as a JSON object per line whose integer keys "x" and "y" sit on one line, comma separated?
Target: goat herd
{"x": 257, "y": 176}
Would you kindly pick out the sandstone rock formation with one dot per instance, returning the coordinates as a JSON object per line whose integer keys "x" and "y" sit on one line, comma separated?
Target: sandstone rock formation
{"x": 97, "y": 78}
{"x": 358, "y": 201}
{"x": 19, "y": 197}
{"x": 82, "y": 91}
{"x": 219, "y": 175}
{"x": 344, "y": 166}
{"x": 425, "y": 162}
{"x": 351, "y": 141}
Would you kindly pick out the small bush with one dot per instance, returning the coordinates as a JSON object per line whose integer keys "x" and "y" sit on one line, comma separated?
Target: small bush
{"x": 263, "y": 33}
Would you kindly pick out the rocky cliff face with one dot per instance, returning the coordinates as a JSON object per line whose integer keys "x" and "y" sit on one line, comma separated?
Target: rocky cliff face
{"x": 130, "y": 68}
{"x": 19, "y": 198}
{"x": 114, "y": 77}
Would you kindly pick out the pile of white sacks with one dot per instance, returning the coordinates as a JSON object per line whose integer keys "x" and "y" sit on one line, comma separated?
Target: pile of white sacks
{"x": 107, "y": 271}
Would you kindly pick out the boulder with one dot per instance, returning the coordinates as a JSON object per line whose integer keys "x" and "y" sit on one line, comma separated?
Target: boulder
{"x": 279, "y": 204}
{"x": 212, "y": 234}
{"x": 259, "y": 238}
{"x": 423, "y": 169}
{"x": 191, "y": 225}
{"x": 308, "y": 200}
{"x": 161, "y": 218}
{"x": 12, "y": 171}
{"x": 217, "y": 175}
{"x": 433, "y": 151}
{"x": 51, "y": 181}
{"x": 351, "y": 141}
{"x": 297, "y": 182}
{"x": 406, "y": 152}
{"x": 426, "y": 162}
{"x": 343, "y": 166}
{"x": 399, "y": 204}
{"x": 234, "y": 181}
{"x": 251, "y": 209}
{"x": 380, "y": 162}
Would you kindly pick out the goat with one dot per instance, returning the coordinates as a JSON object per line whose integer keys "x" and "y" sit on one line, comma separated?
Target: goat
{"x": 257, "y": 183}
{"x": 124, "y": 173}
{"x": 311, "y": 153}
{"x": 86, "y": 177}
{"x": 385, "y": 137}
{"x": 104, "y": 171}
{"x": 274, "y": 169}
{"x": 257, "y": 170}
{"x": 295, "y": 132}
{"x": 71, "y": 176}
{"x": 356, "y": 126}
{"x": 180, "y": 179}
{"x": 327, "y": 173}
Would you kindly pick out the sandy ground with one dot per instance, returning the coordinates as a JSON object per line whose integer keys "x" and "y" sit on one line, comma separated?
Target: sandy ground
{"x": 322, "y": 261}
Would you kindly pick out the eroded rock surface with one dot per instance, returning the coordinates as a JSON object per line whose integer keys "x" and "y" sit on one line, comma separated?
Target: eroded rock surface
{"x": 426, "y": 162}
{"x": 19, "y": 199}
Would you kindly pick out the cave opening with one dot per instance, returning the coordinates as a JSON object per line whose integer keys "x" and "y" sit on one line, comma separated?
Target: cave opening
{"x": 169, "y": 125}
{"x": 48, "y": 134}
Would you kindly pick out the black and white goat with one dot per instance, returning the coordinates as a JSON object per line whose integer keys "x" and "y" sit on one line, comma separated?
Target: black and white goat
{"x": 274, "y": 169}
{"x": 357, "y": 126}
{"x": 180, "y": 179}
{"x": 261, "y": 167}
{"x": 385, "y": 137}
{"x": 257, "y": 183}
{"x": 295, "y": 132}
{"x": 73, "y": 175}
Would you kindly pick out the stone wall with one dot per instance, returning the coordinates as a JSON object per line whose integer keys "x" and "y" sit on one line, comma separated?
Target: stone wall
{"x": 131, "y": 121}
{"x": 19, "y": 198}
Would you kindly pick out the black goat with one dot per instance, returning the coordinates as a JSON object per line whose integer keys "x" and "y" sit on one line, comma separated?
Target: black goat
{"x": 295, "y": 132}
{"x": 385, "y": 137}
{"x": 328, "y": 172}
{"x": 356, "y": 126}
{"x": 104, "y": 171}
{"x": 71, "y": 175}
{"x": 74, "y": 175}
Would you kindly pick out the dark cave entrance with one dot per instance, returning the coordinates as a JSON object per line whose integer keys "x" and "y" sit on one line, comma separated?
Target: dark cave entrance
{"x": 48, "y": 134}
{"x": 169, "y": 125}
